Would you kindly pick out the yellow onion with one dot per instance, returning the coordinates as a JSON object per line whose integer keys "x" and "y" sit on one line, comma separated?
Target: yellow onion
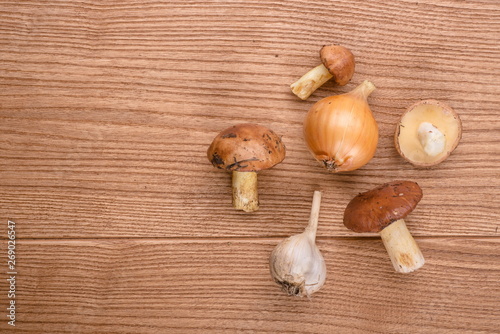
{"x": 340, "y": 130}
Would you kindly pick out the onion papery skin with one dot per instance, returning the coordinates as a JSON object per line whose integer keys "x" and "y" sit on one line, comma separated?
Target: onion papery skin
{"x": 341, "y": 132}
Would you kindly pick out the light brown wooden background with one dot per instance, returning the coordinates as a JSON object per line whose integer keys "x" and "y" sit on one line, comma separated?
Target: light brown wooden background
{"x": 107, "y": 109}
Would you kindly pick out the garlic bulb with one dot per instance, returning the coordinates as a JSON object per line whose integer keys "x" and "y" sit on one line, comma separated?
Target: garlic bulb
{"x": 296, "y": 263}
{"x": 340, "y": 130}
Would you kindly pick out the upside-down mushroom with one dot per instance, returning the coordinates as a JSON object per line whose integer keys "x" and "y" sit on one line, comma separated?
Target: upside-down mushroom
{"x": 427, "y": 133}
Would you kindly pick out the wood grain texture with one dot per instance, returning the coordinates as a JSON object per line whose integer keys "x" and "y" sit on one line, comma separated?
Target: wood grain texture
{"x": 159, "y": 286}
{"x": 107, "y": 109}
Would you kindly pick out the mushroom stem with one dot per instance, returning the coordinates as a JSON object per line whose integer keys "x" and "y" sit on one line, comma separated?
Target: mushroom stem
{"x": 245, "y": 195}
{"x": 402, "y": 248}
{"x": 312, "y": 227}
{"x": 432, "y": 140}
{"x": 311, "y": 81}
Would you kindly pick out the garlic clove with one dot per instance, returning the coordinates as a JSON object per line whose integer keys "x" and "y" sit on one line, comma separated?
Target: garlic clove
{"x": 296, "y": 263}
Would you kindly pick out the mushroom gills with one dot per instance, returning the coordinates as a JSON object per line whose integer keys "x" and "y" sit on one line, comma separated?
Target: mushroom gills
{"x": 402, "y": 248}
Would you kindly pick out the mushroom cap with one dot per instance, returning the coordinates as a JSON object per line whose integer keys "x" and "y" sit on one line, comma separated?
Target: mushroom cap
{"x": 246, "y": 148}
{"x": 339, "y": 61}
{"x": 374, "y": 210}
{"x": 440, "y": 115}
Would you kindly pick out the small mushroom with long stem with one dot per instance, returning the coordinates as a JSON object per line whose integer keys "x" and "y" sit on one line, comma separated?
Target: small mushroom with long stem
{"x": 337, "y": 63}
{"x": 382, "y": 210}
{"x": 243, "y": 150}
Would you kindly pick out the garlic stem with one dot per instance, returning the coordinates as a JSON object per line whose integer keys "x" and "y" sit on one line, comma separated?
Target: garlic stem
{"x": 245, "y": 195}
{"x": 312, "y": 227}
{"x": 311, "y": 81}
{"x": 402, "y": 248}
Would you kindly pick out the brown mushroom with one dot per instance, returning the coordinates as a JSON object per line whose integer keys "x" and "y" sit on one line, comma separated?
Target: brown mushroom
{"x": 337, "y": 63}
{"x": 382, "y": 210}
{"x": 245, "y": 149}
{"x": 427, "y": 133}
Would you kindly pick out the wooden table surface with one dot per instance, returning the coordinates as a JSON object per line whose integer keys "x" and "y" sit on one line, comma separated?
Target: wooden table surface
{"x": 107, "y": 109}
